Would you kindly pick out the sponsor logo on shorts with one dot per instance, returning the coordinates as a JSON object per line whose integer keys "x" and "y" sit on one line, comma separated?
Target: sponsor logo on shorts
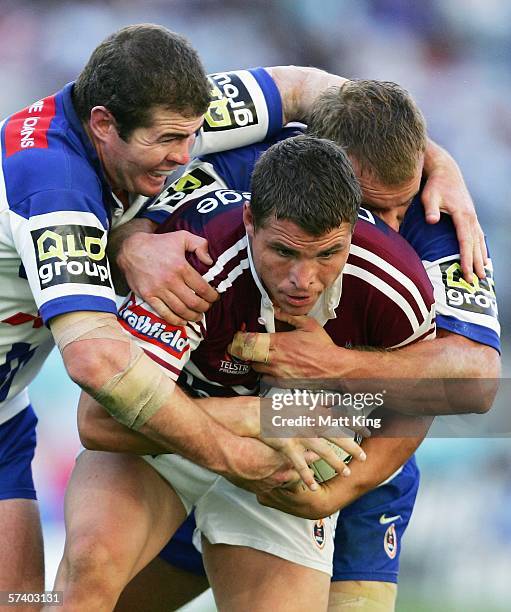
{"x": 232, "y": 106}
{"x": 477, "y": 297}
{"x": 318, "y": 533}
{"x": 71, "y": 254}
{"x": 385, "y": 520}
{"x": 149, "y": 327}
{"x": 390, "y": 541}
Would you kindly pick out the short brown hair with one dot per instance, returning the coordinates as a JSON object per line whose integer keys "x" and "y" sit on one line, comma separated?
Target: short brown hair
{"x": 309, "y": 181}
{"x": 138, "y": 68}
{"x": 378, "y": 124}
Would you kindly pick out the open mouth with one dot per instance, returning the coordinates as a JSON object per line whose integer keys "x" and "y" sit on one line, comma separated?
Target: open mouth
{"x": 162, "y": 172}
{"x": 299, "y": 300}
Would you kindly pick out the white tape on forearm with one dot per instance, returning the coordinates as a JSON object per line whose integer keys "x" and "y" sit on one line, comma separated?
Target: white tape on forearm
{"x": 131, "y": 396}
{"x": 134, "y": 395}
{"x": 75, "y": 326}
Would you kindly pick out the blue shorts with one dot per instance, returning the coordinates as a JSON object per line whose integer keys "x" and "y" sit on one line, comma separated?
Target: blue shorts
{"x": 369, "y": 531}
{"x": 17, "y": 446}
{"x": 367, "y": 540}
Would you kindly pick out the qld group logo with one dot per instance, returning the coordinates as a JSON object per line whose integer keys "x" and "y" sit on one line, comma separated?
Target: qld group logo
{"x": 71, "y": 254}
{"x": 478, "y": 296}
{"x": 231, "y": 106}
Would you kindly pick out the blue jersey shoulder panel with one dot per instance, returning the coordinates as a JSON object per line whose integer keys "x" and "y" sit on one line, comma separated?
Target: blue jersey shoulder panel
{"x": 236, "y": 166}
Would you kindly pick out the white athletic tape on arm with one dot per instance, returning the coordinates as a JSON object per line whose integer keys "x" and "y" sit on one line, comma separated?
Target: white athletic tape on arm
{"x": 134, "y": 395}
{"x": 251, "y": 346}
{"x": 131, "y": 396}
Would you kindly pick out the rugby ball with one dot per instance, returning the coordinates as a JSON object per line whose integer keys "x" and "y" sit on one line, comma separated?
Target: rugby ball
{"x": 323, "y": 471}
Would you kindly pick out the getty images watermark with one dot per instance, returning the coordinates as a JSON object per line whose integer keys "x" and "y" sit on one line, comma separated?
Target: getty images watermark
{"x": 292, "y": 412}
{"x": 315, "y": 408}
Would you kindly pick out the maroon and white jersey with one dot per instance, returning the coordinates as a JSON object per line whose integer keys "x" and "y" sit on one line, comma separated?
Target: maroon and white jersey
{"x": 383, "y": 298}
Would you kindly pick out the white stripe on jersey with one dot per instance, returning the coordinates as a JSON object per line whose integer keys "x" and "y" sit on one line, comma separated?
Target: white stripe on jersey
{"x": 225, "y": 257}
{"x": 386, "y": 289}
{"x": 427, "y": 327}
{"x": 233, "y": 275}
{"x": 394, "y": 272}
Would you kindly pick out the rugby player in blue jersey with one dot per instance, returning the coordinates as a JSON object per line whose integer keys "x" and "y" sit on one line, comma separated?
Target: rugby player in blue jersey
{"x": 72, "y": 166}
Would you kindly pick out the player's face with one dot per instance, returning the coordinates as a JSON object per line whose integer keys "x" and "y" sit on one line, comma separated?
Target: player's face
{"x": 296, "y": 267}
{"x": 390, "y": 203}
{"x": 141, "y": 164}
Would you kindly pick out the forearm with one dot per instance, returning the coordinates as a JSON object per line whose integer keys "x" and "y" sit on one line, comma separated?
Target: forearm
{"x": 116, "y": 241}
{"x": 436, "y": 157}
{"x": 299, "y": 87}
{"x": 449, "y": 375}
{"x": 99, "y": 431}
{"x": 450, "y": 356}
{"x": 106, "y": 363}
{"x": 387, "y": 450}
{"x": 240, "y": 415}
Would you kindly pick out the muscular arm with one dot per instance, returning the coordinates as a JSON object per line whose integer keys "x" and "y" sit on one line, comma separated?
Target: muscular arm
{"x": 299, "y": 86}
{"x": 469, "y": 371}
{"x": 99, "y": 431}
{"x": 445, "y": 191}
{"x": 96, "y": 359}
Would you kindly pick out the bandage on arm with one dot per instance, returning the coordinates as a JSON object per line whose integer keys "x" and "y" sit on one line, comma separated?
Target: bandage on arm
{"x": 106, "y": 363}
{"x": 98, "y": 430}
{"x": 251, "y": 346}
{"x": 130, "y": 386}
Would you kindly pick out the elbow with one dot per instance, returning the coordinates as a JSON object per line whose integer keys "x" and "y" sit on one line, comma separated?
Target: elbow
{"x": 483, "y": 401}
{"x": 89, "y": 429}
{"x": 91, "y": 364}
{"x": 89, "y": 441}
{"x": 489, "y": 382}
{"x": 81, "y": 366}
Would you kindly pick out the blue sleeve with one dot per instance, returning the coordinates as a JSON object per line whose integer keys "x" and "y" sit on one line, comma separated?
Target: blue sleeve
{"x": 467, "y": 309}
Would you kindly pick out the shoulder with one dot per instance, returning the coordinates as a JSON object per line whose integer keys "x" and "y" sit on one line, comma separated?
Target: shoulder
{"x": 216, "y": 216}
{"x": 382, "y": 255}
{"x": 41, "y": 153}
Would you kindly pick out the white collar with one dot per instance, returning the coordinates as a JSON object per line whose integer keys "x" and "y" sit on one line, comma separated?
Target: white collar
{"x": 322, "y": 311}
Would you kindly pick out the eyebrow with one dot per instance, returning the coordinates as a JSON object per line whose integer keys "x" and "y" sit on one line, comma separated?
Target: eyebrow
{"x": 284, "y": 247}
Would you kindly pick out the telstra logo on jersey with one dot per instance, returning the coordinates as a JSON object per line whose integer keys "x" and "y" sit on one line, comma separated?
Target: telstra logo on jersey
{"x": 232, "y": 365}
{"x": 71, "y": 254}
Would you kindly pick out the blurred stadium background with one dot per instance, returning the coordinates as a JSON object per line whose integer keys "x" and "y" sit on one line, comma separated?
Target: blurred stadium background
{"x": 455, "y": 57}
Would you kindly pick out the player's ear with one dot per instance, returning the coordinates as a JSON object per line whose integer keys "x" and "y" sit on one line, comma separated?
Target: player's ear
{"x": 248, "y": 219}
{"x": 101, "y": 122}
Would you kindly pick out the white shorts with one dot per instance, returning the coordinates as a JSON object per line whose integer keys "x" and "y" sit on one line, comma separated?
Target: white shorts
{"x": 226, "y": 514}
